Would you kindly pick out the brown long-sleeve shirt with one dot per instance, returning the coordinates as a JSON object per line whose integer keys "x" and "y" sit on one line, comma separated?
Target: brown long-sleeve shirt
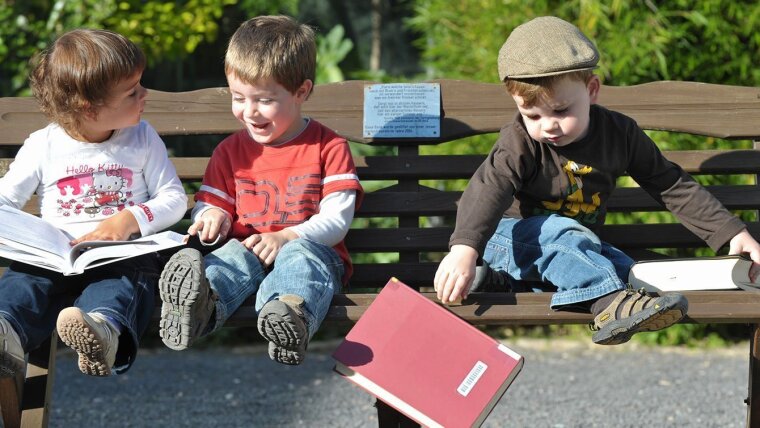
{"x": 522, "y": 178}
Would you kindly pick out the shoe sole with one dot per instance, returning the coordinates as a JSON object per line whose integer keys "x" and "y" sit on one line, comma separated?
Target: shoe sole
{"x": 287, "y": 338}
{"x": 179, "y": 289}
{"x": 76, "y": 334}
{"x": 671, "y": 310}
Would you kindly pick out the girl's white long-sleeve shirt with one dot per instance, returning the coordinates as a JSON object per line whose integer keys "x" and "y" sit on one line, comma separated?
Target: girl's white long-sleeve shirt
{"x": 80, "y": 184}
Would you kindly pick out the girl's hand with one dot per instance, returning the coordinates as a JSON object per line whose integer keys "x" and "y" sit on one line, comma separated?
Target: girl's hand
{"x": 266, "y": 246}
{"x": 115, "y": 228}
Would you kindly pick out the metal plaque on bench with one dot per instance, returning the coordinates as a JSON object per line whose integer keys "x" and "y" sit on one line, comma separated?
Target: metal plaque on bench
{"x": 402, "y": 110}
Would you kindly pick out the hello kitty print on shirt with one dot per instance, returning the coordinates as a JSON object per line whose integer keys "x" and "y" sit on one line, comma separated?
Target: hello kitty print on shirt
{"x": 104, "y": 191}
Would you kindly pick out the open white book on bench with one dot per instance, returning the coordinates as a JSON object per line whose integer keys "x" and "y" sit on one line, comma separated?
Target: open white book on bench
{"x": 697, "y": 273}
{"x": 32, "y": 240}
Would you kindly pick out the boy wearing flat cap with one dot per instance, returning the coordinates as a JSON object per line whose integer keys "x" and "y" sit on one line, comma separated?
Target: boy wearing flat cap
{"x": 531, "y": 211}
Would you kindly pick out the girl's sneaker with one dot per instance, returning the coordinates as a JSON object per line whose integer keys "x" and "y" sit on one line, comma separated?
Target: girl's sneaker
{"x": 12, "y": 359}
{"x": 92, "y": 337}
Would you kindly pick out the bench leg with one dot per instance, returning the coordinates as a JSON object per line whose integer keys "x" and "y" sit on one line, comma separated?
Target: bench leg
{"x": 38, "y": 388}
{"x": 11, "y": 389}
{"x": 388, "y": 417}
{"x": 753, "y": 394}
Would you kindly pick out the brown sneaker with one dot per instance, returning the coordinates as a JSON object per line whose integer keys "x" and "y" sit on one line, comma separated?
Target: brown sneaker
{"x": 187, "y": 299}
{"x": 12, "y": 359}
{"x": 282, "y": 323}
{"x": 92, "y": 337}
{"x": 633, "y": 311}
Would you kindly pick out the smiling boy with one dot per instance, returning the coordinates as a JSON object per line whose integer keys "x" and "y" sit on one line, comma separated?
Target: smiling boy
{"x": 532, "y": 210}
{"x": 282, "y": 192}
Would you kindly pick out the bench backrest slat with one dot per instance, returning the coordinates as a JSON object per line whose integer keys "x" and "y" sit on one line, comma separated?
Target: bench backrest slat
{"x": 470, "y": 108}
{"x": 443, "y": 203}
{"x": 462, "y": 166}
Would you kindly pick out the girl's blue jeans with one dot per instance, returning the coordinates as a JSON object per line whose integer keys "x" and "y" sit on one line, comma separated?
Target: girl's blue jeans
{"x": 32, "y": 297}
{"x": 559, "y": 251}
{"x": 305, "y": 268}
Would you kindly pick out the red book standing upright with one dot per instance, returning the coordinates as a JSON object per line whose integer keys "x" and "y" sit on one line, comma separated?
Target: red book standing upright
{"x": 425, "y": 361}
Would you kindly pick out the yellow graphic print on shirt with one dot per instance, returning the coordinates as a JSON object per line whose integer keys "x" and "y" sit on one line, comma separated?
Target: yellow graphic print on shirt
{"x": 574, "y": 206}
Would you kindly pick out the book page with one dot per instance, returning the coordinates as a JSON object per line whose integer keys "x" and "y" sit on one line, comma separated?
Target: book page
{"x": 95, "y": 253}
{"x": 29, "y": 239}
{"x": 688, "y": 274}
{"x": 23, "y": 250}
{"x": 16, "y": 227}
{"x": 33, "y": 256}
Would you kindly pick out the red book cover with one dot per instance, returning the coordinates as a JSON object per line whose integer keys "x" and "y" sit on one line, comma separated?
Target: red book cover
{"x": 426, "y": 362}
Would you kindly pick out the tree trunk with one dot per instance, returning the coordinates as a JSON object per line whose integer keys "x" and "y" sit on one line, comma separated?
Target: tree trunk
{"x": 377, "y": 21}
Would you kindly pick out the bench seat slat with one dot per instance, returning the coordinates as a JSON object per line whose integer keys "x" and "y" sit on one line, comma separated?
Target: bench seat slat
{"x": 718, "y": 307}
{"x": 533, "y": 308}
{"x": 529, "y": 308}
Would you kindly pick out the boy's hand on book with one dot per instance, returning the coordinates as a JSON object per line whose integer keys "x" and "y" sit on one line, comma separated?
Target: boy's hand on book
{"x": 455, "y": 274}
{"x": 115, "y": 228}
{"x": 744, "y": 243}
{"x": 213, "y": 226}
{"x": 266, "y": 246}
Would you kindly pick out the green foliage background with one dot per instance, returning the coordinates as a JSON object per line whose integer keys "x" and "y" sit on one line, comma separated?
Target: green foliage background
{"x": 714, "y": 41}
{"x": 168, "y": 31}
{"x": 711, "y": 41}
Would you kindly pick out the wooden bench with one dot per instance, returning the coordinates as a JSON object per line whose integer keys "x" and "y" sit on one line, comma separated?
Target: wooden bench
{"x": 407, "y": 224}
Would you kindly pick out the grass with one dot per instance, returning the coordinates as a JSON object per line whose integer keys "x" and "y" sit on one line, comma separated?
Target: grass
{"x": 688, "y": 335}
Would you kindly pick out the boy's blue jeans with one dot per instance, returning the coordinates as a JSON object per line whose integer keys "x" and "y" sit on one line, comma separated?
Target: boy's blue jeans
{"x": 302, "y": 267}
{"x": 31, "y": 298}
{"x": 560, "y": 251}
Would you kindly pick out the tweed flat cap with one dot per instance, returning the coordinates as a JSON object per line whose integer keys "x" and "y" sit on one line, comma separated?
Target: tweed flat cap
{"x": 545, "y": 46}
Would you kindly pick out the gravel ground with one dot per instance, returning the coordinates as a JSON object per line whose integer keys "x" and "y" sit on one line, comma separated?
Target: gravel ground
{"x": 563, "y": 384}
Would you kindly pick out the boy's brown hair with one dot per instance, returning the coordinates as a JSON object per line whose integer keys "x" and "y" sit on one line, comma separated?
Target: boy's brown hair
{"x": 276, "y": 47}
{"x": 534, "y": 89}
{"x": 76, "y": 73}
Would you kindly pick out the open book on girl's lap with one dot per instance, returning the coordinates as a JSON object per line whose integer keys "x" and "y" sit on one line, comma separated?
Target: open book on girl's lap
{"x": 697, "y": 273}
{"x": 29, "y": 239}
